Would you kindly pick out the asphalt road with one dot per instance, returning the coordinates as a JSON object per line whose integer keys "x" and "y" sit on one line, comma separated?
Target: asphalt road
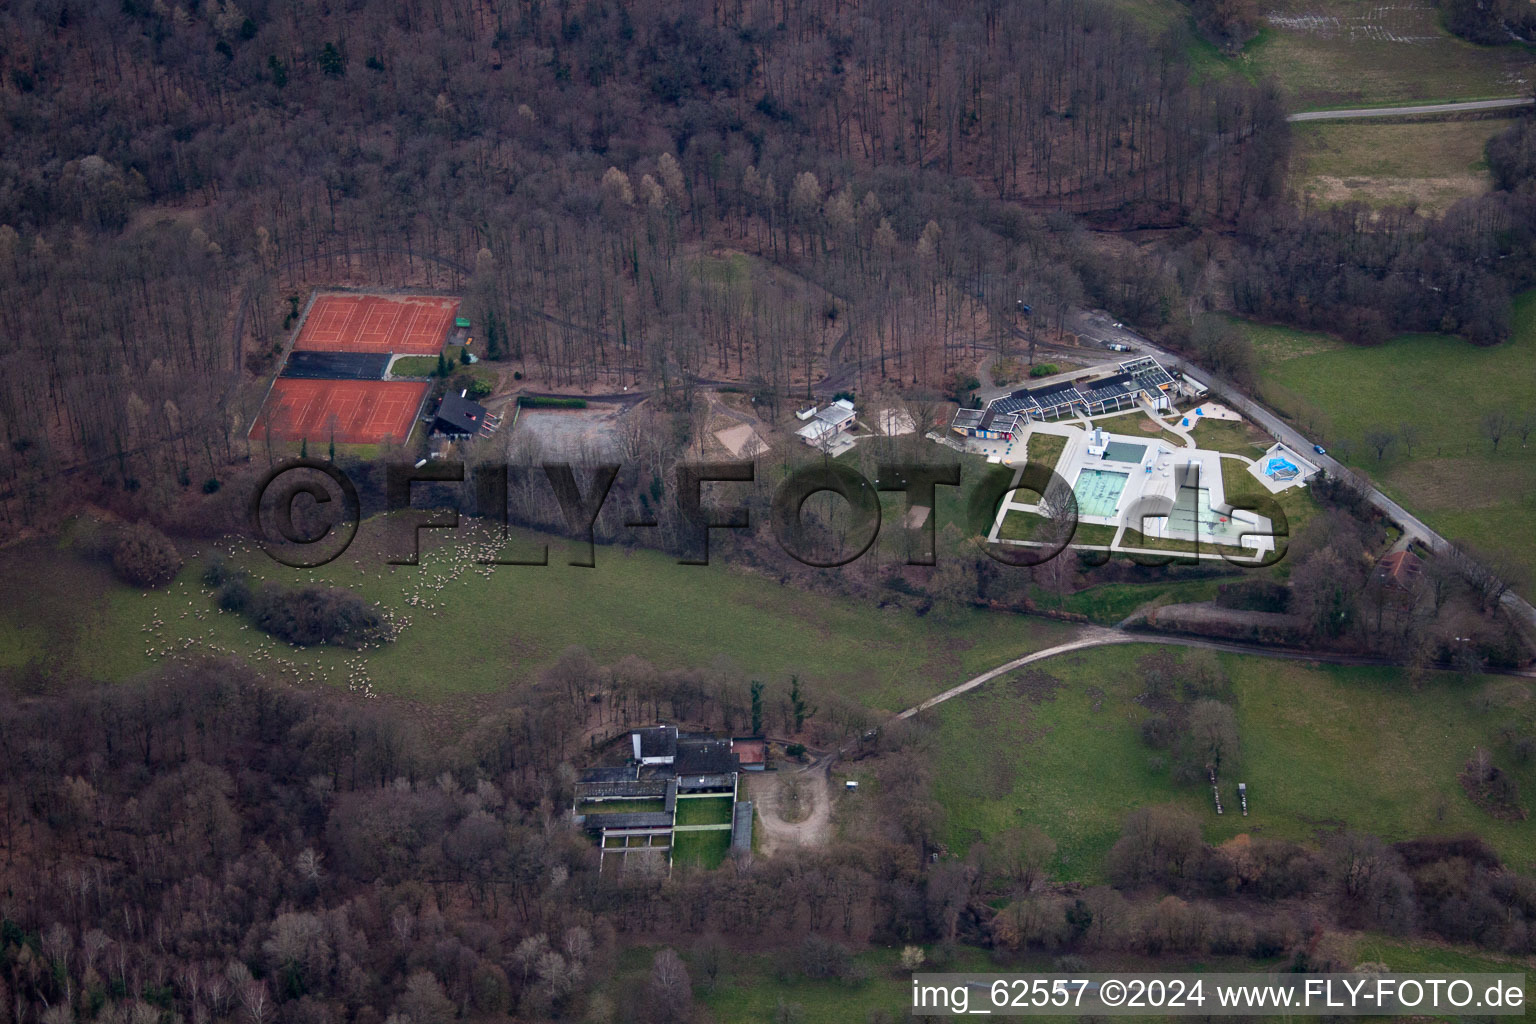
{"x": 1101, "y": 327}
{"x": 1426, "y": 108}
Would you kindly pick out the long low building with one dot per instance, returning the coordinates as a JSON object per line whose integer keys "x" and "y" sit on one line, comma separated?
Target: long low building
{"x": 1103, "y": 390}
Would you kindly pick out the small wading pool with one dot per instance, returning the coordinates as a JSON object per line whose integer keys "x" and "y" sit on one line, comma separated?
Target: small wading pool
{"x": 1121, "y": 451}
{"x": 1098, "y": 492}
{"x": 1280, "y": 469}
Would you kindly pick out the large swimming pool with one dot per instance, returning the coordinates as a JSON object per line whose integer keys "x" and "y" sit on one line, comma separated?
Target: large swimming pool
{"x": 1098, "y": 492}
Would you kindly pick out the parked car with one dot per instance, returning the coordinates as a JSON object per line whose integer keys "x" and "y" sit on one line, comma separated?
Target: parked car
{"x": 1320, "y": 449}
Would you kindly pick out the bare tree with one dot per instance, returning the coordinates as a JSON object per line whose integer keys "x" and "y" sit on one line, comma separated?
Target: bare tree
{"x": 1494, "y": 425}
{"x": 670, "y": 990}
{"x": 1022, "y": 855}
{"x": 1379, "y": 440}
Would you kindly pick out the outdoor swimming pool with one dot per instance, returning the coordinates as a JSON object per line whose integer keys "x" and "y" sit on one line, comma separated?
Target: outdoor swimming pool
{"x": 1122, "y": 451}
{"x": 1192, "y": 515}
{"x": 1280, "y": 469}
{"x": 1098, "y": 492}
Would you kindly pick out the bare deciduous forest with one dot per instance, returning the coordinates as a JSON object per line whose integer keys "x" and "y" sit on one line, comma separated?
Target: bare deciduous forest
{"x": 172, "y": 172}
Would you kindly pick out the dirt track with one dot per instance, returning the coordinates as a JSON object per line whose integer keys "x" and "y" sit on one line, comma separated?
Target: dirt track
{"x": 766, "y": 790}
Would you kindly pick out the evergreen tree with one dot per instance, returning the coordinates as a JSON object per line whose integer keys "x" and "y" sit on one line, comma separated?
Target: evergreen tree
{"x": 757, "y": 708}
{"x": 797, "y": 701}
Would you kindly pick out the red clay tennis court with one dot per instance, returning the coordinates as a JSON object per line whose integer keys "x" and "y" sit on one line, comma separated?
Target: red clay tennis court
{"x": 404, "y": 325}
{"x": 360, "y": 411}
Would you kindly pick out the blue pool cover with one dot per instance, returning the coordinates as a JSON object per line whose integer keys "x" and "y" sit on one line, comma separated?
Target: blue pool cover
{"x": 1280, "y": 467}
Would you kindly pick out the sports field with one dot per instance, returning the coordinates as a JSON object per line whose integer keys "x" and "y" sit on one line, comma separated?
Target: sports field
{"x": 348, "y": 411}
{"x": 403, "y": 325}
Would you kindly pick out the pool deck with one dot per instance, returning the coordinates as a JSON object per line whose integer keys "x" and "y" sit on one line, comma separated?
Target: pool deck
{"x": 1305, "y": 469}
{"x": 1152, "y": 487}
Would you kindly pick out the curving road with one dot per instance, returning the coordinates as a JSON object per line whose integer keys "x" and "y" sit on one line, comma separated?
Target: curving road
{"x": 1100, "y": 327}
{"x": 1423, "y": 108}
{"x": 1100, "y": 636}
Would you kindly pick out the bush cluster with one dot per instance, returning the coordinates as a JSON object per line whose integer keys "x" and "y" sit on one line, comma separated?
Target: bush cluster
{"x": 142, "y": 556}
{"x": 313, "y": 615}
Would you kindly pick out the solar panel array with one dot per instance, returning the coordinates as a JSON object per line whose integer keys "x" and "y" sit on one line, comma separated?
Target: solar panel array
{"x": 1137, "y": 375}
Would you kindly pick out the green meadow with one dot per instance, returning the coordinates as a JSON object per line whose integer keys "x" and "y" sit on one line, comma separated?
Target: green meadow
{"x": 1442, "y": 388}
{"x": 1057, "y": 745}
{"x": 474, "y": 629}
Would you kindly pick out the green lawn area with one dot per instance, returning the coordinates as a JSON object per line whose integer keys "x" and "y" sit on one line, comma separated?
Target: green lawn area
{"x": 474, "y": 629}
{"x": 414, "y": 366}
{"x": 704, "y": 810}
{"x": 1236, "y": 436}
{"x": 1322, "y": 747}
{"x": 1028, "y": 526}
{"x": 1139, "y": 424}
{"x": 620, "y": 806}
{"x": 1045, "y": 449}
{"x": 700, "y": 849}
{"x": 1453, "y": 478}
{"x": 1430, "y": 163}
{"x": 1427, "y": 957}
{"x": 1110, "y": 603}
{"x": 1238, "y": 484}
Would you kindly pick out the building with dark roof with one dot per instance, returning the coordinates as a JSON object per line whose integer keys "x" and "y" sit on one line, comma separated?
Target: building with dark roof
{"x": 628, "y": 821}
{"x": 459, "y": 416}
{"x": 620, "y": 803}
{"x": 656, "y": 745}
{"x": 705, "y": 755}
{"x": 1094, "y": 393}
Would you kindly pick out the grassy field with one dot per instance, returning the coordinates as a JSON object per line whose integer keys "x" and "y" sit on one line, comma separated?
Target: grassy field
{"x": 751, "y": 989}
{"x": 704, "y": 810}
{"x": 1322, "y": 747}
{"x": 1328, "y": 53}
{"x": 1334, "y": 53}
{"x": 700, "y": 849}
{"x": 1431, "y": 164}
{"x": 1452, "y": 477}
{"x": 474, "y": 629}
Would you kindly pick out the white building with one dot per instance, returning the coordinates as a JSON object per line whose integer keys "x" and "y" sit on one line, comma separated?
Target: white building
{"x": 827, "y": 424}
